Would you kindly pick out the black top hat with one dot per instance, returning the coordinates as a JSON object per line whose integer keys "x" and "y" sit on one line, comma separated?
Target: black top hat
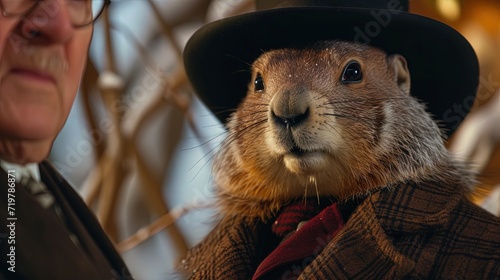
{"x": 443, "y": 66}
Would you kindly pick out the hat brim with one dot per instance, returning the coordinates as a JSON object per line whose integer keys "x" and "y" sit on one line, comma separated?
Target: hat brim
{"x": 443, "y": 66}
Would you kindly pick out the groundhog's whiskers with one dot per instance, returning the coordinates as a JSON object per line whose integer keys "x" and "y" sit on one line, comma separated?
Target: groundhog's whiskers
{"x": 363, "y": 100}
{"x": 347, "y": 116}
{"x": 226, "y": 111}
{"x": 312, "y": 179}
{"x": 213, "y": 154}
{"x": 246, "y": 127}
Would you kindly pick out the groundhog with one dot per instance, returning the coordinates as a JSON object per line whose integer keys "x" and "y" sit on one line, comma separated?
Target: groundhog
{"x": 337, "y": 120}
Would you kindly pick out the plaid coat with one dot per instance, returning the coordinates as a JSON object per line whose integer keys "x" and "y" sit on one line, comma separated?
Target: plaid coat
{"x": 414, "y": 231}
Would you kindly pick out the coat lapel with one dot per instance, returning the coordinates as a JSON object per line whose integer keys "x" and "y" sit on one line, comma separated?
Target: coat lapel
{"x": 368, "y": 247}
{"x": 361, "y": 251}
{"x": 83, "y": 223}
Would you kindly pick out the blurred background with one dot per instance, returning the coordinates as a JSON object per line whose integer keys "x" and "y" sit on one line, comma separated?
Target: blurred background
{"x": 138, "y": 143}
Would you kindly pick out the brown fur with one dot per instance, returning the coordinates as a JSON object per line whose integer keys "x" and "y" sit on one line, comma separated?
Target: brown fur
{"x": 367, "y": 135}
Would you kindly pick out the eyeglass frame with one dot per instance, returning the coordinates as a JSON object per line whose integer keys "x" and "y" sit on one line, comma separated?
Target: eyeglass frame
{"x": 36, "y": 3}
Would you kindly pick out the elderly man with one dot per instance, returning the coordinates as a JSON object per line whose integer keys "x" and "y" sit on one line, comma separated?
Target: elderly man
{"x": 48, "y": 231}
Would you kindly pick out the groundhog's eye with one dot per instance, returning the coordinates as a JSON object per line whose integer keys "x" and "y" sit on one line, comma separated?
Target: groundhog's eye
{"x": 258, "y": 84}
{"x": 352, "y": 73}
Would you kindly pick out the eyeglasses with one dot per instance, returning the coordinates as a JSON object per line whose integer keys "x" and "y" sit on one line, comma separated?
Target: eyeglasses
{"x": 81, "y": 12}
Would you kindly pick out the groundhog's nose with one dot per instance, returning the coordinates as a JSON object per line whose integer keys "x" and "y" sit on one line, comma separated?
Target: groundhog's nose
{"x": 290, "y": 108}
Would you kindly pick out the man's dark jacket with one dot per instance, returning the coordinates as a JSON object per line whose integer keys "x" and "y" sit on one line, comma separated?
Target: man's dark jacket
{"x": 43, "y": 248}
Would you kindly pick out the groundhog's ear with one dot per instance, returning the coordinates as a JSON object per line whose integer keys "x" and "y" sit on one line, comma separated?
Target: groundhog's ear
{"x": 400, "y": 71}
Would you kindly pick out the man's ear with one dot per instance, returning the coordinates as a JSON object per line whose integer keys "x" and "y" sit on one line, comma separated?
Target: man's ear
{"x": 401, "y": 74}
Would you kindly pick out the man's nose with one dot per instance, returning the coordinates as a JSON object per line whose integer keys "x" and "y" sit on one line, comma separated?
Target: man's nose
{"x": 50, "y": 21}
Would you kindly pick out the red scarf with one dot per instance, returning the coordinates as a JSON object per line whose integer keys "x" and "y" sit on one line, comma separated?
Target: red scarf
{"x": 291, "y": 257}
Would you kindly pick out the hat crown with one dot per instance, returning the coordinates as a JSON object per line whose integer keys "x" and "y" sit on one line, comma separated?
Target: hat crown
{"x": 367, "y": 4}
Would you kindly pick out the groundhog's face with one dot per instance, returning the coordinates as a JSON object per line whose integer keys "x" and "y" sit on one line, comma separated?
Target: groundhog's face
{"x": 315, "y": 115}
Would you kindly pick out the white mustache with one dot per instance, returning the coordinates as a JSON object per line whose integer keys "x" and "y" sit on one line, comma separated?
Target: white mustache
{"x": 51, "y": 62}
